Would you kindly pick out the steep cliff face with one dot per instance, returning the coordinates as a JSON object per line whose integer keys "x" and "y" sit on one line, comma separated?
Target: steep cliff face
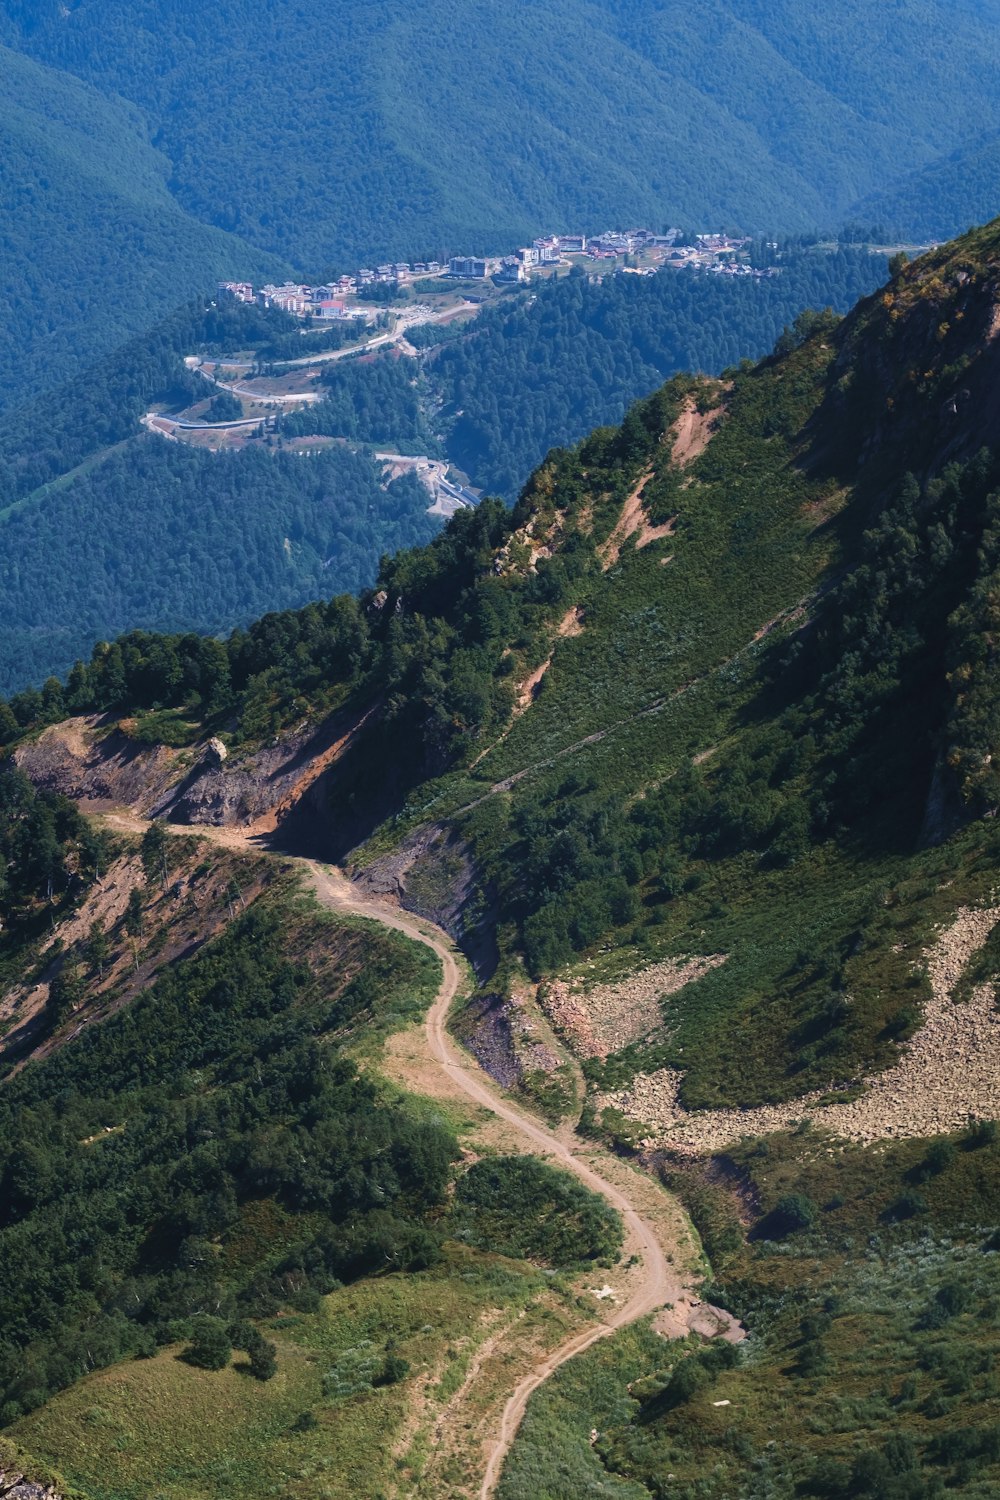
{"x": 100, "y": 765}
{"x": 916, "y": 379}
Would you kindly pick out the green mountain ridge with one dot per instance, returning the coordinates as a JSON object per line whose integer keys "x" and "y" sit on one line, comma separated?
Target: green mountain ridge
{"x": 541, "y": 134}
{"x": 540, "y": 368}
{"x": 938, "y": 198}
{"x": 695, "y": 753}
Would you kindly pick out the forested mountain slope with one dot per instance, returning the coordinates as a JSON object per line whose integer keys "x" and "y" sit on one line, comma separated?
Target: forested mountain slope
{"x": 695, "y": 751}
{"x": 172, "y": 537}
{"x": 387, "y": 133}
{"x": 95, "y": 245}
{"x": 742, "y": 631}
{"x": 963, "y": 188}
{"x": 107, "y": 528}
{"x": 536, "y": 373}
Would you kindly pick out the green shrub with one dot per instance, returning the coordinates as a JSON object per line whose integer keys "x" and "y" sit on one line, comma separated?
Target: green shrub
{"x": 211, "y": 1344}
{"x": 394, "y": 1369}
{"x": 792, "y": 1212}
{"x": 907, "y": 1206}
{"x": 939, "y": 1157}
{"x": 982, "y": 1133}
{"x": 521, "y": 1206}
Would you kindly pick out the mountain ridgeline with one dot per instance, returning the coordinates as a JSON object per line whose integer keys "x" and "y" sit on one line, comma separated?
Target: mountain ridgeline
{"x": 790, "y": 569}
{"x": 261, "y": 530}
{"x": 695, "y": 753}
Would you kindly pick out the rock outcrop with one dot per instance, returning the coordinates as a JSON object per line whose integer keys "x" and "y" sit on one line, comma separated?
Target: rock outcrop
{"x": 15, "y": 1486}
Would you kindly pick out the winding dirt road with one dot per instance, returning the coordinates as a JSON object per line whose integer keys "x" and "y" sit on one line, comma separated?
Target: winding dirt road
{"x": 659, "y": 1283}
{"x": 655, "y": 1280}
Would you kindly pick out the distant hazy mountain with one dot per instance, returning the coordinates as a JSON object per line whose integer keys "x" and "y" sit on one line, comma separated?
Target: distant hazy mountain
{"x": 146, "y": 150}
{"x": 955, "y": 191}
{"x": 326, "y": 132}
{"x": 93, "y": 242}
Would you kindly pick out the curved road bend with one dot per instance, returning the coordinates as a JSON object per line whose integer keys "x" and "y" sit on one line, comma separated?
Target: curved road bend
{"x": 659, "y": 1282}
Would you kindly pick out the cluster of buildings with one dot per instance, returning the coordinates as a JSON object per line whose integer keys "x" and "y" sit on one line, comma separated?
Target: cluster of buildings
{"x": 718, "y": 253}
{"x": 551, "y": 249}
{"x": 326, "y": 301}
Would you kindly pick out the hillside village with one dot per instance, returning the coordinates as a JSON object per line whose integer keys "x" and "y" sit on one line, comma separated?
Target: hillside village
{"x": 641, "y": 252}
{"x": 368, "y": 322}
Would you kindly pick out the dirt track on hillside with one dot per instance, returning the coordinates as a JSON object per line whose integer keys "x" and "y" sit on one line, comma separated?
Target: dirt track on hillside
{"x": 652, "y": 1280}
{"x": 657, "y": 1281}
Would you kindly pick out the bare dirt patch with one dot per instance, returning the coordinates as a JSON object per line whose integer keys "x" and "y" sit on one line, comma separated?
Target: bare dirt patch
{"x": 104, "y": 769}
{"x": 178, "y": 916}
{"x": 629, "y": 522}
{"x": 648, "y": 533}
{"x": 529, "y": 687}
{"x": 947, "y": 1074}
{"x": 82, "y": 760}
{"x": 633, "y": 522}
{"x": 571, "y": 624}
{"x": 311, "y": 769}
{"x": 692, "y": 432}
{"x": 603, "y": 1018}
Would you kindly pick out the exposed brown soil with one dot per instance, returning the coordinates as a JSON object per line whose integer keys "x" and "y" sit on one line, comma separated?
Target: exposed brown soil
{"x": 188, "y": 910}
{"x": 309, "y": 766}
{"x": 81, "y": 760}
{"x": 649, "y": 533}
{"x": 572, "y": 622}
{"x": 629, "y": 522}
{"x": 692, "y": 432}
{"x": 570, "y": 625}
{"x": 102, "y": 768}
{"x": 528, "y": 688}
{"x": 947, "y": 1074}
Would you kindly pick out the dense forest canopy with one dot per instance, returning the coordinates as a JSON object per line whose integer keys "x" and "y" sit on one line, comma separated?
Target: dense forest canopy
{"x": 220, "y": 1094}
{"x": 165, "y": 537}
{"x": 95, "y": 247}
{"x": 794, "y": 124}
